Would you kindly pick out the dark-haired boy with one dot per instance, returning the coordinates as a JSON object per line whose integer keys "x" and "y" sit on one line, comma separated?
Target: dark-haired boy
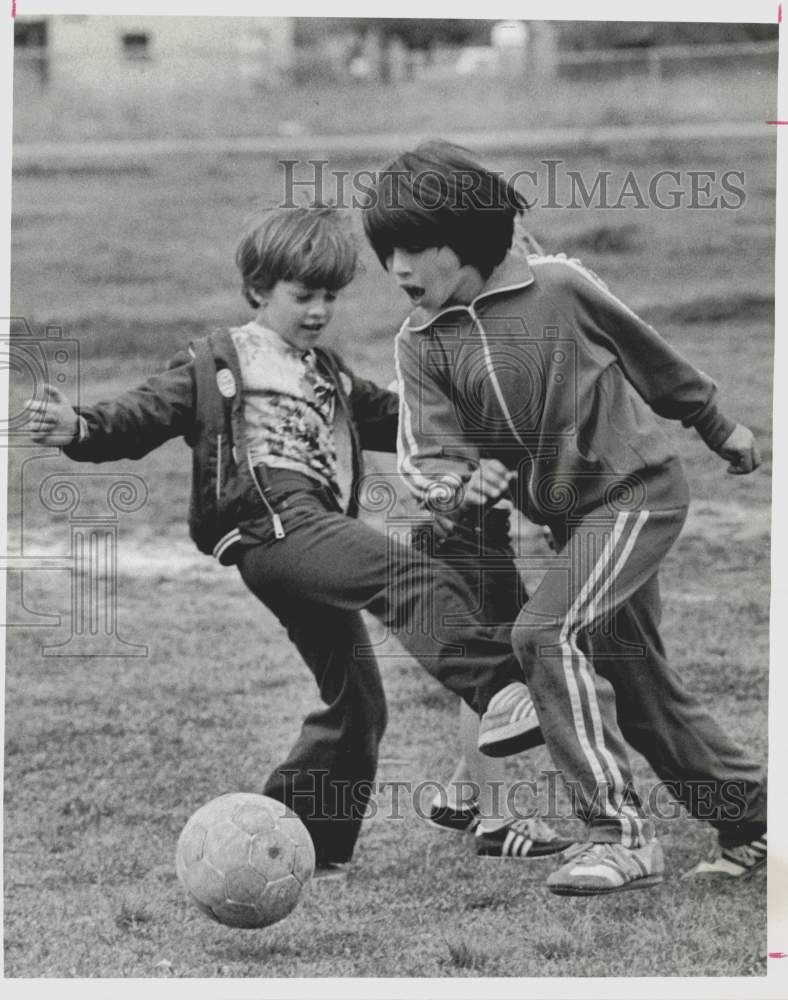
{"x": 532, "y": 370}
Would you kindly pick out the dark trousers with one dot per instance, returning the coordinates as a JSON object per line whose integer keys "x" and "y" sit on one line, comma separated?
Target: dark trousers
{"x": 326, "y": 569}
{"x": 328, "y": 774}
{"x": 480, "y": 550}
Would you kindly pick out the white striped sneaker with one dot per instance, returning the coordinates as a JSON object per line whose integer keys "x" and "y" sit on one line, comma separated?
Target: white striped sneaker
{"x": 521, "y": 838}
{"x": 732, "y": 862}
{"x": 510, "y": 723}
{"x": 605, "y": 868}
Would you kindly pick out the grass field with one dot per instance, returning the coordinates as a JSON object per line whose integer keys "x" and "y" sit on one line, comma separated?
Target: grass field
{"x": 60, "y": 111}
{"x": 106, "y": 758}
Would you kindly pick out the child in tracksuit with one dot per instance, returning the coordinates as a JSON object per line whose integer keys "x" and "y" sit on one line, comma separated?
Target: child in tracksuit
{"x": 530, "y": 375}
{"x": 276, "y": 426}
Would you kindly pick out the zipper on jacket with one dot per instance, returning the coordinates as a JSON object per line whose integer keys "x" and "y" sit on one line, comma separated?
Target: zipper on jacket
{"x": 488, "y": 360}
{"x": 279, "y": 531}
{"x": 219, "y": 465}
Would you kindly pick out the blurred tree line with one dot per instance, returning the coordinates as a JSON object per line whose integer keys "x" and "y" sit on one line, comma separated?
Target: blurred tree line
{"x": 647, "y": 34}
{"x": 422, "y": 34}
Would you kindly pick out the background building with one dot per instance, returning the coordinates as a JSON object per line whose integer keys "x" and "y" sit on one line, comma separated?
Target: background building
{"x": 161, "y": 52}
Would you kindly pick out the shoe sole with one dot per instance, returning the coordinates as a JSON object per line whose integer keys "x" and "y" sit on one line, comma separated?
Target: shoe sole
{"x": 321, "y": 875}
{"x": 511, "y": 740}
{"x": 639, "y": 883}
{"x": 539, "y": 856}
{"x": 725, "y": 876}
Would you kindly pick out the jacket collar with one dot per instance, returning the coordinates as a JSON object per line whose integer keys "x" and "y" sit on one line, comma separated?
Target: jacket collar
{"x": 512, "y": 274}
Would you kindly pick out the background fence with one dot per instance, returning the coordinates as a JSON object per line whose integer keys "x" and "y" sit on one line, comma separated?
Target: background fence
{"x": 225, "y": 92}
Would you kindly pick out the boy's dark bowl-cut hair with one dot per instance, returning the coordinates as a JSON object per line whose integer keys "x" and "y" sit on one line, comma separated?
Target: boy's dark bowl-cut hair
{"x": 310, "y": 244}
{"x": 439, "y": 195}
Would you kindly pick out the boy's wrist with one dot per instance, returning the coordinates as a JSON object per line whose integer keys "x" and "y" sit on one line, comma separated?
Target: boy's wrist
{"x": 714, "y": 427}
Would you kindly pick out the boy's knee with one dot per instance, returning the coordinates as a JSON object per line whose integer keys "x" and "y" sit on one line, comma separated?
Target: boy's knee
{"x": 532, "y": 640}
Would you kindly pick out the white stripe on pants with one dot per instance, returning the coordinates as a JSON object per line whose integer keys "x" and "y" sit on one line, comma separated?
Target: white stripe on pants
{"x": 574, "y": 703}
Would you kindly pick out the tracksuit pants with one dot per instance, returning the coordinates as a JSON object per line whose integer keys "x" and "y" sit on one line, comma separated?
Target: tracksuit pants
{"x": 316, "y": 580}
{"x": 589, "y": 644}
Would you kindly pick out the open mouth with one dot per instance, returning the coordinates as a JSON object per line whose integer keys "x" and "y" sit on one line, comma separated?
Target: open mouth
{"x": 312, "y": 328}
{"x": 414, "y": 292}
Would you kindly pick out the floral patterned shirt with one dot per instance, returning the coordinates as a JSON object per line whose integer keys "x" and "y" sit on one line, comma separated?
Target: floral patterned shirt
{"x": 288, "y": 405}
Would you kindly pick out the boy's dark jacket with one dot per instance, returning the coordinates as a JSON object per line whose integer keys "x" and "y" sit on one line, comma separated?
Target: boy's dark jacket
{"x": 199, "y": 397}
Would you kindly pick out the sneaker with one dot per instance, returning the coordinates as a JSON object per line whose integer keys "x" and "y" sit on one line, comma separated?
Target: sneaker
{"x": 603, "y": 868}
{"x": 521, "y": 838}
{"x": 459, "y": 818}
{"x": 510, "y": 724}
{"x": 732, "y": 862}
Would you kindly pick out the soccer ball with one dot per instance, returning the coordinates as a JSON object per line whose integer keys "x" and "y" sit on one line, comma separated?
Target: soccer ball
{"x": 243, "y": 859}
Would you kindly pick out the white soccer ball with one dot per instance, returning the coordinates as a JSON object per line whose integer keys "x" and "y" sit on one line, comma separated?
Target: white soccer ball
{"x": 243, "y": 859}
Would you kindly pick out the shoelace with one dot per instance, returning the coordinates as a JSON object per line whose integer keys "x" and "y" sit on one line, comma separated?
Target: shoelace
{"x": 592, "y": 851}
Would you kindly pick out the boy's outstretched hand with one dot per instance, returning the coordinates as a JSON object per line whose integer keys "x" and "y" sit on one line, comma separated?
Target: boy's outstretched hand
{"x": 741, "y": 450}
{"x": 54, "y": 420}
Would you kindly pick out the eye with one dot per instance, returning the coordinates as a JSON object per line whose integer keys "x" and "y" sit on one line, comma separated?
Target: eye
{"x": 330, "y": 296}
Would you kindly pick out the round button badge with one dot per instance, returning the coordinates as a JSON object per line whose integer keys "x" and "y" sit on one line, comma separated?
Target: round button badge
{"x": 225, "y": 380}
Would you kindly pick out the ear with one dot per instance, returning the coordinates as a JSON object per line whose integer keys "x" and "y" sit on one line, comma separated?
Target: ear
{"x": 260, "y": 296}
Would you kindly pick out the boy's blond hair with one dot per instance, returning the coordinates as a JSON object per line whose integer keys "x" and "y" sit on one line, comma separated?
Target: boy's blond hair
{"x": 309, "y": 244}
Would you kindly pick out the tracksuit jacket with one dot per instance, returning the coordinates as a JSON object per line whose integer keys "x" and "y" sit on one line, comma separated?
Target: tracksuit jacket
{"x": 199, "y": 396}
{"x": 547, "y": 371}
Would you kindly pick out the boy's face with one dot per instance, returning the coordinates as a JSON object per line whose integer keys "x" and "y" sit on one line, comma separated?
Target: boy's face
{"x": 297, "y": 313}
{"x": 434, "y": 277}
